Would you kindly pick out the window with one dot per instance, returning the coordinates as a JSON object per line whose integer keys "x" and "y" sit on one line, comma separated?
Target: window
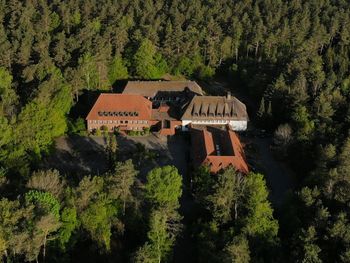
{"x": 95, "y": 121}
{"x": 126, "y": 121}
{"x": 131, "y": 122}
{"x": 100, "y": 122}
{"x": 110, "y": 122}
{"x": 116, "y": 122}
{"x": 90, "y": 121}
{"x": 121, "y": 122}
{"x": 146, "y": 122}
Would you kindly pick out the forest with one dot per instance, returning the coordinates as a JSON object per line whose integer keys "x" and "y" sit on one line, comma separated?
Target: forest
{"x": 291, "y": 57}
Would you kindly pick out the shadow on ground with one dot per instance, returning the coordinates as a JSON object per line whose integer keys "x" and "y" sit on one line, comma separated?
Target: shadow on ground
{"x": 76, "y": 155}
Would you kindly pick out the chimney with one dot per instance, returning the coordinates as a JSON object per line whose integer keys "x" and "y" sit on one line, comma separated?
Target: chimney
{"x": 228, "y": 96}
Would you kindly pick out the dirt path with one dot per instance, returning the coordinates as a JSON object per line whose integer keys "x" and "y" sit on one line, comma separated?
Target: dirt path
{"x": 278, "y": 176}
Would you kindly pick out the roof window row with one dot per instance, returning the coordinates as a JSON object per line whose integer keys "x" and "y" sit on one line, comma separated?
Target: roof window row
{"x": 118, "y": 113}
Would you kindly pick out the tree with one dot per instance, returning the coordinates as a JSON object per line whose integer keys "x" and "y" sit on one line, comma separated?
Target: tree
{"x": 8, "y": 97}
{"x": 344, "y": 162}
{"x": 309, "y": 251}
{"x": 227, "y": 195}
{"x": 117, "y": 70}
{"x": 203, "y": 183}
{"x": 145, "y": 61}
{"x": 304, "y": 125}
{"x": 283, "y": 135}
{"x": 98, "y": 219}
{"x": 261, "y": 111}
{"x": 46, "y": 218}
{"x": 69, "y": 222}
{"x": 96, "y": 210}
{"x": 259, "y": 219}
{"x": 10, "y": 215}
{"x": 3, "y": 179}
{"x": 44, "y": 202}
{"x": 163, "y": 187}
{"x": 237, "y": 251}
{"x": 160, "y": 240}
{"x": 112, "y": 148}
{"x": 120, "y": 182}
{"x": 49, "y": 181}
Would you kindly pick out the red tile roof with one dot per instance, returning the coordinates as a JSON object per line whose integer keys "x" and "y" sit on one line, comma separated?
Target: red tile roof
{"x": 218, "y": 148}
{"x": 136, "y": 107}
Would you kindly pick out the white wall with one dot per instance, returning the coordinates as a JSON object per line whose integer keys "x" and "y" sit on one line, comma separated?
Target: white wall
{"x": 238, "y": 125}
{"x": 235, "y": 125}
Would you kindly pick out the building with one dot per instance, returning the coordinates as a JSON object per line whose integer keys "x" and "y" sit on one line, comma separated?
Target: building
{"x": 216, "y": 110}
{"x": 164, "y": 91}
{"x": 120, "y": 111}
{"x": 169, "y": 106}
{"x": 165, "y": 107}
{"x": 218, "y": 148}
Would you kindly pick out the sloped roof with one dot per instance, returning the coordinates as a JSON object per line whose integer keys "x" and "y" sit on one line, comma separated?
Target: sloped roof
{"x": 120, "y": 106}
{"x": 214, "y": 107}
{"x": 151, "y": 88}
{"x": 217, "y": 148}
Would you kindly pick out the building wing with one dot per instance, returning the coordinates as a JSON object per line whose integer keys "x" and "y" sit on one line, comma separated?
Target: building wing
{"x": 152, "y": 89}
{"x": 215, "y": 107}
{"x": 120, "y": 106}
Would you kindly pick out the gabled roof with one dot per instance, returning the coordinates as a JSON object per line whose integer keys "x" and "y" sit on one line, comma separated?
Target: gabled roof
{"x": 151, "y": 88}
{"x": 120, "y": 106}
{"x": 217, "y": 148}
{"x": 215, "y": 107}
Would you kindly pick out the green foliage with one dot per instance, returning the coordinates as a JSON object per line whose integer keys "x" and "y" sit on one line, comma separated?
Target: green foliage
{"x": 3, "y": 179}
{"x": 227, "y": 195}
{"x": 293, "y": 53}
{"x": 8, "y": 97}
{"x": 160, "y": 241}
{"x": 5, "y": 81}
{"x": 97, "y": 219}
{"x": 120, "y": 182}
{"x": 205, "y": 72}
{"x": 259, "y": 220}
{"x": 237, "y": 251}
{"x": 77, "y": 126}
{"x": 117, "y": 70}
{"x": 185, "y": 67}
{"x": 44, "y": 201}
{"x": 164, "y": 186}
{"x": 10, "y": 215}
{"x": 69, "y": 224}
{"x": 203, "y": 182}
{"x": 304, "y": 125}
{"x": 147, "y": 63}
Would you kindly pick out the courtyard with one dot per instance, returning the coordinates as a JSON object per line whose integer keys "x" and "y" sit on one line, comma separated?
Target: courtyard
{"x": 81, "y": 155}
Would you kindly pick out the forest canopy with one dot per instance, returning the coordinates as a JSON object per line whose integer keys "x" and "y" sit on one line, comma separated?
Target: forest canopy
{"x": 290, "y": 57}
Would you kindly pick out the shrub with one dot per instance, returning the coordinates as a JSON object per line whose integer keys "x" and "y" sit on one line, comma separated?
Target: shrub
{"x": 97, "y": 132}
{"x": 77, "y": 126}
{"x": 205, "y": 72}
